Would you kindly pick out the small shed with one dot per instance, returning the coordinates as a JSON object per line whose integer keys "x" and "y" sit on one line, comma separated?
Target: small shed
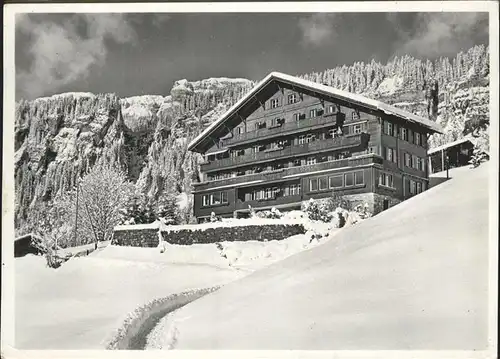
{"x": 450, "y": 155}
{"x": 24, "y": 245}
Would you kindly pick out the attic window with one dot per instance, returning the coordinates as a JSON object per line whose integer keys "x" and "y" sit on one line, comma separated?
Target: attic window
{"x": 292, "y": 98}
{"x": 275, "y": 103}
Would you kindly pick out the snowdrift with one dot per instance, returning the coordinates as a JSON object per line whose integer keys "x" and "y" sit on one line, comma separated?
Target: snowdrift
{"x": 413, "y": 277}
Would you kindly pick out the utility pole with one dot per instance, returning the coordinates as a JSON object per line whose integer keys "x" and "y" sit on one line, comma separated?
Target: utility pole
{"x": 447, "y": 166}
{"x": 76, "y": 209}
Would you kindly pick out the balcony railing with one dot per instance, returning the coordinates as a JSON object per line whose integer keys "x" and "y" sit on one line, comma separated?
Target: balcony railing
{"x": 291, "y": 151}
{"x": 290, "y": 171}
{"x": 284, "y": 129}
{"x": 267, "y": 202}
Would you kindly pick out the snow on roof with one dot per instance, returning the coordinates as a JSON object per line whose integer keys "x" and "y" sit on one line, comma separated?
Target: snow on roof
{"x": 448, "y": 145}
{"x": 328, "y": 90}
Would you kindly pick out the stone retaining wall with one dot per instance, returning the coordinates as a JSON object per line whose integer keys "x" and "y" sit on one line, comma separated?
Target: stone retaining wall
{"x": 148, "y": 237}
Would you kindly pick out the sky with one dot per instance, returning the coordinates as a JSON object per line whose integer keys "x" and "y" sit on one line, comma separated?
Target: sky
{"x": 135, "y": 54}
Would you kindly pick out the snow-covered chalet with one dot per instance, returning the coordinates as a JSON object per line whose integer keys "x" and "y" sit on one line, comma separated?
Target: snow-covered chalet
{"x": 289, "y": 140}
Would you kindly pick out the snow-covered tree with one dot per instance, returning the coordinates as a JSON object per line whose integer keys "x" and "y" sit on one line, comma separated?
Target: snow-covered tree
{"x": 103, "y": 193}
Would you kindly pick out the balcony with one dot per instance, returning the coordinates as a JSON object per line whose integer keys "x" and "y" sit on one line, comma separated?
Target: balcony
{"x": 285, "y": 129}
{"x": 267, "y": 202}
{"x": 291, "y": 151}
{"x": 281, "y": 174}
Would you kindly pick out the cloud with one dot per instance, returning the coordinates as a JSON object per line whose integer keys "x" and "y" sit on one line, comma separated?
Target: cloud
{"x": 62, "y": 52}
{"x": 318, "y": 28}
{"x": 438, "y": 34}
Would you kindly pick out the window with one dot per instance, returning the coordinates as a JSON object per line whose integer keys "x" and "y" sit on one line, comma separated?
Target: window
{"x": 403, "y": 133}
{"x": 388, "y": 128}
{"x": 218, "y": 198}
{"x": 296, "y": 117}
{"x": 386, "y": 180}
{"x": 313, "y": 184}
{"x": 323, "y": 183}
{"x": 418, "y": 139}
{"x": 205, "y": 200}
{"x": 296, "y": 162}
{"x": 414, "y": 161}
{"x": 268, "y": 193}
{"x": 275, "y": 191}
{"x": 336, "y": 181}
{"x": 359, "y": 178}
{"x": 311, "y": 160}
{"x": 356, "y": 129}
{"x": 407, "y": 159}
{"x": 419, "y": 187}
{"x": 313, "y": 112}
{"x": 331, "y": 109}
{"x": 349, "y": 179}
{"x": 332, "y": 133}
{"x": 310, "y": 137}
{"x": 292, "y": 98}
{"x": 275, "y": 103}
{"x": 390, "y": 155}
{"x": 422, "y": 164}
{"x": 259, "y": 125}
{"x": 355, "y": 115}
{"x": 302, "y": 139}
{"x": 299, "y": 186}
{"x": 238, "y": 130}
{"x": 413, "y": 187}
{"x": 293, "y": 190}
{"x": 410, "y": 136}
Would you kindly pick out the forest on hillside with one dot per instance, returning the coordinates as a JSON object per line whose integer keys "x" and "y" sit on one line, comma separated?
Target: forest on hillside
{"x": 60, "y": 139}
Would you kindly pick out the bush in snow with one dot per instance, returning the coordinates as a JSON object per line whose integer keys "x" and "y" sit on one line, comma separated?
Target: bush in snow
{"x": 362, "y": 210}
{"x": 272, "y": 214}
{"x": 317, "y": 210}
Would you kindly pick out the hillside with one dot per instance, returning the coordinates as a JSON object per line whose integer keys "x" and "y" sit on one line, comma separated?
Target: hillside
{"x": 415, "y": 277}
{"x": 58, "y": 138}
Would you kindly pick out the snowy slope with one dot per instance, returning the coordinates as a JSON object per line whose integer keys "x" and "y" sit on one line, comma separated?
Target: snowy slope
{"x": 79, "y": 304}
{"x": 413, "y": 277}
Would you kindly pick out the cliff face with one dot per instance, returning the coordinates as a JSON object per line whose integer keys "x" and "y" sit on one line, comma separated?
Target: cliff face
{"x": 58, "y": 138}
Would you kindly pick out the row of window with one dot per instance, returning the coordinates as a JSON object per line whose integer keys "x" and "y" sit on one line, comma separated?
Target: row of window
{"x": 302, "y": 139}
{"x": 403, "y": 133}
{"x": 278, "y": 121}
{"x": 411, "y": 161}
{"x": 311, "y": 160}
{"x": 271, "y": 193}
{"x": 214, "y": 199}
{"x": 387, "y": 180}
{"x": 337, "y": 181}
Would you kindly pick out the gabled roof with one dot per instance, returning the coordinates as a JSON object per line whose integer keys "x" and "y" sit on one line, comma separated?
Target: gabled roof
{"x": 326, "y": 90}
{"x": 448, "y": 145}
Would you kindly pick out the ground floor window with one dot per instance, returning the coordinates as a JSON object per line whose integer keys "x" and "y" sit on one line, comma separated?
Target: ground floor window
{"x": 386, "y": 179}
{"x": 359, "y": 178}
{"x": 349, "y": 179}
{"x": 313, "y": 184}
{"x": 323, "y": 183}
{"x": 214, "y": 199}
{"x": 336, "y": 181}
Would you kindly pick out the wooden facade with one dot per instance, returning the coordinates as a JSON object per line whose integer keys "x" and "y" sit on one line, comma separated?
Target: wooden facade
{"x": 450, "y": 155}
{"x": 288, "y": 141}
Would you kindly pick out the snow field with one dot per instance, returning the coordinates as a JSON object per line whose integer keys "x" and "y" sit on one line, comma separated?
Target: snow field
{"x": 414, "y": 277}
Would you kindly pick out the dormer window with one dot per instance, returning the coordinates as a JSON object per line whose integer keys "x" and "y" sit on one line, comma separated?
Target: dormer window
{"x": 292, "y": 98}
{"x": 331, "y": 109}
{"x": 275, "y": 103}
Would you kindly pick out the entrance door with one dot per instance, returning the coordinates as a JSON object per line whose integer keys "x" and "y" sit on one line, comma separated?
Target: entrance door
{"x": 386, "y": 204}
